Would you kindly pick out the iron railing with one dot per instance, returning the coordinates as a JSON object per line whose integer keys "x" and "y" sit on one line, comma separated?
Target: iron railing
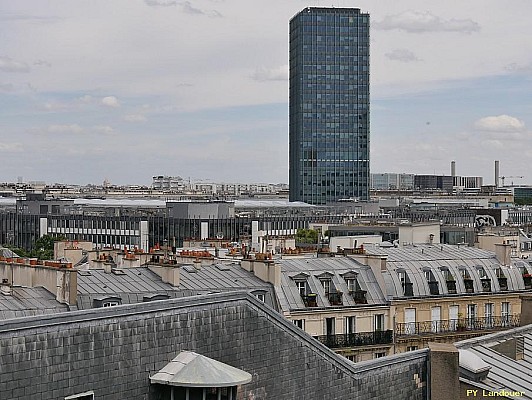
{"x": 457, "y": 325}
{"x": 356, "y": 339}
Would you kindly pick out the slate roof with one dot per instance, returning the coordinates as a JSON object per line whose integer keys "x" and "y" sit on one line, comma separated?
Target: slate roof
{"x": 416, "y": 259}
{"x": 505, "y": 372}
{"x": 25, "y": 302}
{"x": 132, "y": 285}
{"x": 312, "y": 269}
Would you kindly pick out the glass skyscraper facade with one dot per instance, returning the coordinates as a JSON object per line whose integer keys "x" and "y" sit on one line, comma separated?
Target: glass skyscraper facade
{"x": 329, "y": 105}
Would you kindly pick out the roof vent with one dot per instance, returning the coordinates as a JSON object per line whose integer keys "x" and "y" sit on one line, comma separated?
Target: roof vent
{"x": 472, "y": 366}
{"x": 222, "y": 267}
{"x": 190, "y": 268}
{"x": 118, "y": 271}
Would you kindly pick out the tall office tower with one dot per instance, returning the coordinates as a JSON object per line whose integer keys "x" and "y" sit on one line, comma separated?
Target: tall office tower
{"x": 329, "y": 105}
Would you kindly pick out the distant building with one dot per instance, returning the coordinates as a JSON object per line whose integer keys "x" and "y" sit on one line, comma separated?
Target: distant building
{"x": 391, "y": 181}
{"x": 329, "y": 105}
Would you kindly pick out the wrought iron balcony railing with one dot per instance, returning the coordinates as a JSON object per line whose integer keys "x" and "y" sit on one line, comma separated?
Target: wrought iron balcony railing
{"x": 457, "y": 325}
{"x": 310, "y": 299}
{"x": 335, "y": 298}
{"x": 356, "y": 339}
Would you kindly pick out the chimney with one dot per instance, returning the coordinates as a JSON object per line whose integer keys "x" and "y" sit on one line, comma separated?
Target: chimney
{"x": 502, "y": 252}
{"x": 496, "y": 174}
{"x": 5, "y": 287}
{"x": 453, "y": 168}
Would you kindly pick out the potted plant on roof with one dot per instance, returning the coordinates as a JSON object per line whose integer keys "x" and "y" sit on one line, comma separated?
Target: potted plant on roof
{"x": 461, "y": 323}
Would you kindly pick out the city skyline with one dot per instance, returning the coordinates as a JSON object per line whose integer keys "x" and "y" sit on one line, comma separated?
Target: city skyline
{"x": 127, "y": 90}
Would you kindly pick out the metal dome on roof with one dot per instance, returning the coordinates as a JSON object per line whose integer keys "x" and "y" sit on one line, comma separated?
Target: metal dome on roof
{"x": 190, "y": 369}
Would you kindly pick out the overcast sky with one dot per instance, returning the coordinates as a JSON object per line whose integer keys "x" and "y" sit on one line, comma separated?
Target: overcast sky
{"x": 128, "y": 89}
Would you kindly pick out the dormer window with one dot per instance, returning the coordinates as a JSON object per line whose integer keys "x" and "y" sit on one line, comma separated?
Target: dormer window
{"x": 301, "y": 287}
{"x": 353, "y": 287}
{"x": 326, "y": 283}
{"x": 468, "y": 282}
{"x": 503, "y": 281}
{"x": 431, "y": 281}
{"x": 486, "y": 282}
{"x": 408, "y": 287}
{"x": 449, "y": 280}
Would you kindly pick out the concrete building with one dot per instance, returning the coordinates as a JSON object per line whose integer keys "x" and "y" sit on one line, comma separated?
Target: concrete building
{"x": 329, "y": 105}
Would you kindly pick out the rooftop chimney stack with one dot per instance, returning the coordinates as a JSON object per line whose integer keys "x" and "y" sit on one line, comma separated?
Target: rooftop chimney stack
{"x": 496, "y": 174}
{"x": 453, "y": 168}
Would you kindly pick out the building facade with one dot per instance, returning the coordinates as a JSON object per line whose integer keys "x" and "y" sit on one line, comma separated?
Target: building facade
{"x": 329, "y": 105}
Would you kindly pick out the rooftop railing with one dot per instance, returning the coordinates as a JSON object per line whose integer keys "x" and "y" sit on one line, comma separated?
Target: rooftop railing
{"x": 356, "y": 339}
{"x": 457, "y": 325}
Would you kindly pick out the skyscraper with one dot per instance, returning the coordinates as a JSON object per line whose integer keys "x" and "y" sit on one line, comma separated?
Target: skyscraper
{"x": 329, "y": 105}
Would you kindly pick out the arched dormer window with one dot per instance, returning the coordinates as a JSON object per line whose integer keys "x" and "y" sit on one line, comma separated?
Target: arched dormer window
{"x": 408, "y": 287}
{"x": 431, "y": 281}
{"x": 501, "y": 277}
{"x": 484, "y": 279}
{"x": 468, "y": 282}
{"x": 449, "y": 280}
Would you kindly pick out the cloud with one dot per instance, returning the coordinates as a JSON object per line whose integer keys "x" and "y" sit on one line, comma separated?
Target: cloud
{"x": 271, "y": 74}
{"x": 11, "y": 147}
{"x": 42, "y": 63}
{"x": 72, "y": 128}
{"x": 160, "y": 3}
{"x": 186, "y": 7}
{"x": 76, "y": 129}
{"x": 104, "y": 129}
{"x": 501, "y": 123}
{"x": 6, "y": 87}
{"x": 9, "y": 65}
{"x": 135, "y": 118}
{"x": 402, "y": 55}
{"x": 111, "y": 101}
{"x": 421, "y": 22}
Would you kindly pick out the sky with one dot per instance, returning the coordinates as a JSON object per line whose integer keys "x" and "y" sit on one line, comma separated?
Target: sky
{"x": 127, "y": 89}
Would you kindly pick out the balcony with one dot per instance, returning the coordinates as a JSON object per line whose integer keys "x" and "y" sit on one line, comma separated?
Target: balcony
{"x": 469, "y": 285}
{"x": 527, "y": 278}
{"x": 451, "y": 287}
{"x": 457, "y": 325}
{"x": 408, "y": 289}
{"x": 359, "y": 296}
{"x": 310, "y": 300}
{"x": 335, "y": 298}
{"x": 503, "y": 283}
{"x": 356, "y": 339}
{"x": 486, "y": 284}
{"x": 433, "y": 287}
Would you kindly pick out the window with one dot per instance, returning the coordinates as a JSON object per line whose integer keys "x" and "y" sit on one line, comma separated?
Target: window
{"x": 326, "y": 283}
{"x": 260, "y": 296}
{"x": 352, "y": 358}
{"x": 471, "y": 315}
{"x": 351, "y": 285}
{"x": 350, "y": 324}
{"x": 330, "y": 326}
{"x": 300, "y": 323}
{"x": 411, "y": 348}
{"x": 379, "y": 354}
{"x": 505, "y": 313}
{"x": 110, "y": 303}
{"x": 488, "y": 314}
{"x": 410, "y": 321}
{"x": 301, "y": 287}
{"x": 378, "y": 322}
